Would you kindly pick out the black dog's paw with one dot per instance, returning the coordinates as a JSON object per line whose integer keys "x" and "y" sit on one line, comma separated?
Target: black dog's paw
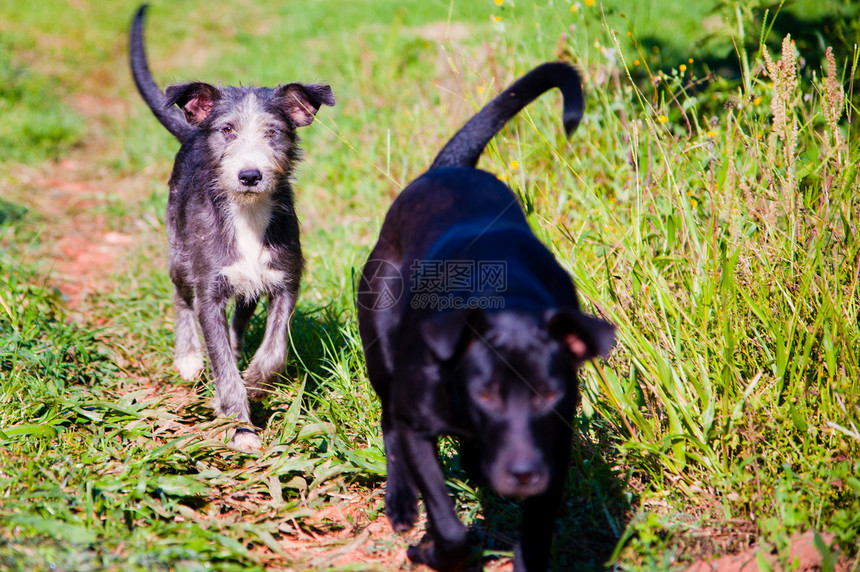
{"x": 532, "y": 560}
{"x": 424, "y": 553}
{"x": 401, "y": 507}
{"x": 428, "y": 553}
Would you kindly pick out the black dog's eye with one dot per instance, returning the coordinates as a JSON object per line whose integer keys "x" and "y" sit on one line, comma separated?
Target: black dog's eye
{"x": 488, "y": 396}
{"x": 544, "y": 400}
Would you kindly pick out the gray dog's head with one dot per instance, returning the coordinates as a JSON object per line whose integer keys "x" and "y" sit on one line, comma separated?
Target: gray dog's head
{"x": 250, "y": 131}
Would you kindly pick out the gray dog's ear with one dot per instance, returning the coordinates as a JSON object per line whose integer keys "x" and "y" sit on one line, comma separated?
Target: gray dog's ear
{"x": 447, "y": 332}
{"x": 302, "y": 101}
{"x": 196, "y": 99}
{"x": 584, "y": 336}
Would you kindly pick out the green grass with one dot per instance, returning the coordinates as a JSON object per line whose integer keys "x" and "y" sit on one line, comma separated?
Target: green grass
{"x": 36, "y": 124}
{"x": 725, "y": 253}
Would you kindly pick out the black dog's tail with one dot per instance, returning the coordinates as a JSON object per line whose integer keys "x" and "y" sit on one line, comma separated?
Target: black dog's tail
{"x": 465, "y": 148}
{"x": 171, "y": 117}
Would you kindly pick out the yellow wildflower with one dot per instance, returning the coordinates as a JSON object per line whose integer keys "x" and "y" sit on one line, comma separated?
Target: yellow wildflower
{"x": 514, "y": 165}
{"x": 589, "y": 2}
{"x": 662, "y": 119}
{"x": 682, "y": 68}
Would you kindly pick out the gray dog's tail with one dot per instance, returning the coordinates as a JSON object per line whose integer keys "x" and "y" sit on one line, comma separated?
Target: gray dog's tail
{"x": 171, "y": 117}
{"x": 465, "y": 148}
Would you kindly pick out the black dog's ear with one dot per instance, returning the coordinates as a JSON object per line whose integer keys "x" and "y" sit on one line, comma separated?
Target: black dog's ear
{"x": 584, "y": 336}
{"x": 447, "y": 332}
{"x": 196, "y": 99}
{"x": 302, "y": 101}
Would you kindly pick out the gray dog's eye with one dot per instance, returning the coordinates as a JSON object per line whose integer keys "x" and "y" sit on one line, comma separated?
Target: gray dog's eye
{"x": 270, "y": 133}
{"x": 228, "y": 131}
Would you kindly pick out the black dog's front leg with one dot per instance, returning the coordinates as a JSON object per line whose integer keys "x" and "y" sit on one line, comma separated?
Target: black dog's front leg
{"x": 449, "y": 549}
{"x": 540, "y": 512}
{"x": 401, "y": 496}
{"x": 231, "y": 398}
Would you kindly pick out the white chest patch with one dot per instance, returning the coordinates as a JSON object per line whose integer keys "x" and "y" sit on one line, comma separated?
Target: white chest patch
{"x": 251, "y": 274}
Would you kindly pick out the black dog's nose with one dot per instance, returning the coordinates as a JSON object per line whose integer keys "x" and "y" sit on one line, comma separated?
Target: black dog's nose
{"x": 524, "y": 473}
{"x": 250, "y": 177}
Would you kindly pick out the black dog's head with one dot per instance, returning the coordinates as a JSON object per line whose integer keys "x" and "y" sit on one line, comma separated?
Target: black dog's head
{"x": 512, "y": 380}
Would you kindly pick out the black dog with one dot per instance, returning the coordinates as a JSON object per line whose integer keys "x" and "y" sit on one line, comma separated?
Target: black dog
{"x": 231, "y": 224}
{"x": 497, "y": 367}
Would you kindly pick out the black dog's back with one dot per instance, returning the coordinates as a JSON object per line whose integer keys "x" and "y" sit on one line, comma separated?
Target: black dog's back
{"x": 440, "y": 198}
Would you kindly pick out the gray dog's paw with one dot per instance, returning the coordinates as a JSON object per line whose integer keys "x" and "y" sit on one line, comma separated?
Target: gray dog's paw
{"x": 246, "y": 440}
{"x": 189, "y": 366}
{"x": 257, "y": 384}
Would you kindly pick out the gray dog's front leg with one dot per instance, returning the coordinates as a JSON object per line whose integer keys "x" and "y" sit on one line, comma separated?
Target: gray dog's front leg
{"x": 241, "y": 317}
{"x": 188, "y": 353}
{"x": 231, "y": 398}
{"x": 271, "y": 356}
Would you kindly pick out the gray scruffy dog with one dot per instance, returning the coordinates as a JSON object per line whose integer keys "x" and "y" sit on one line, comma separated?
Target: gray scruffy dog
{"x": 231, "y": 223}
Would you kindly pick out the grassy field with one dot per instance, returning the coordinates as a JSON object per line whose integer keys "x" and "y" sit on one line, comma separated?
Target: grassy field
{"x": 716, "y": 223}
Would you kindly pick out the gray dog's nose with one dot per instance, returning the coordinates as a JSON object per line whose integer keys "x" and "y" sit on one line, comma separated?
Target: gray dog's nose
{"x": 250, "y": 177}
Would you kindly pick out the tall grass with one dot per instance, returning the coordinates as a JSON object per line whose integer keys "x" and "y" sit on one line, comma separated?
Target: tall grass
{"x": 729, "y": 259}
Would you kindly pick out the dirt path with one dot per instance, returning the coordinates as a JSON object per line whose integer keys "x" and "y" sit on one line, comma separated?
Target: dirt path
{"x": 80, "y": 248}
